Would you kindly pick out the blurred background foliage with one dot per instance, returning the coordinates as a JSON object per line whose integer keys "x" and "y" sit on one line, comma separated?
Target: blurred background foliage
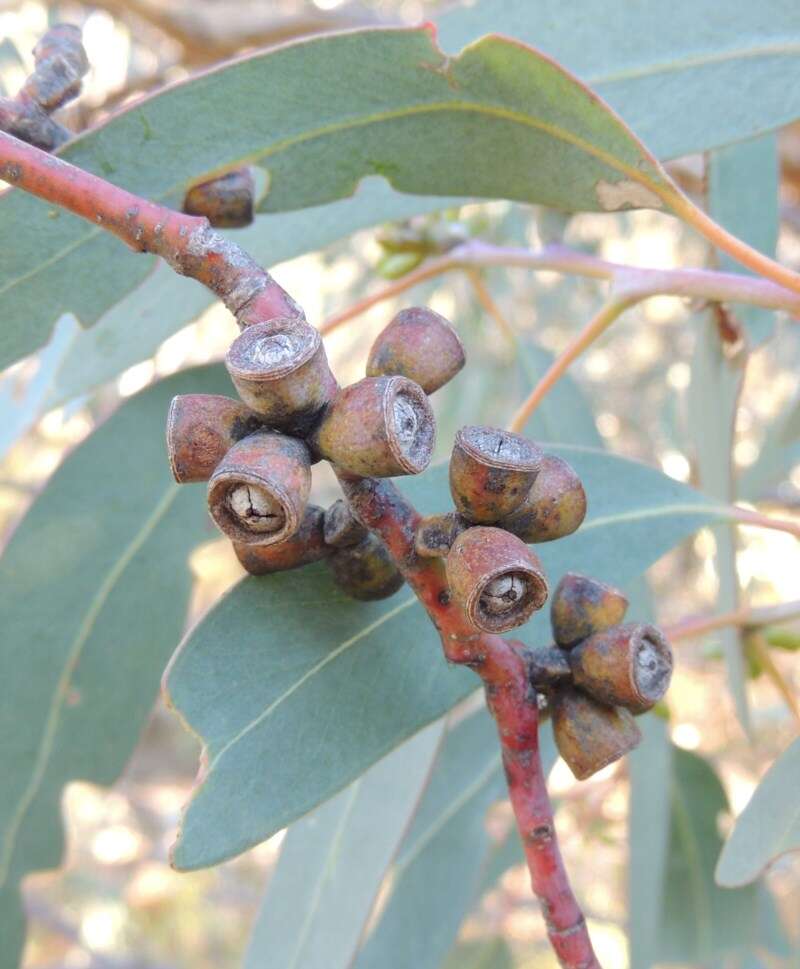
{"x": 116, "y": 904}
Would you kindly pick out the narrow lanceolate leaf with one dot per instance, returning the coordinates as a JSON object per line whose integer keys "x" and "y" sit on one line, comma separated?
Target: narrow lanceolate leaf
{"x": 282, "y": 677}
{"x": 650, "y": 771}
{"x": 441, "y": 868}
{"x": 333, "y": 861}
{"x": 93, "y": 593}
{"x": 700, "y": 921}
{"x": 340, "y": 107}
{"x": 768, "y": 827}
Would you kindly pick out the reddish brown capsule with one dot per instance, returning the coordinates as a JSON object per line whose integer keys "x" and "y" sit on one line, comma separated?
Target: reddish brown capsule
{"x": 342, "y": 528}
{"x": 554, "y": 507}
{"x": 436, "y": 534}
{"x": 201, "y": 429}
{"x": 627, "y": 666}
{"x": 378, "y": 427}
{"x": 496, "y": 578}
{"x": 581, "y": 606}
{"x": 258, "y": 493}
{"x": 590, "y": 735}
{"x": 280, "y": 370}
{"x": 305, "y": 546}
{"x": 366, "y": 571}
{"x": 491, "y": 472}
{"x": 226, "y": 201}
{"x": 418, "y": 344}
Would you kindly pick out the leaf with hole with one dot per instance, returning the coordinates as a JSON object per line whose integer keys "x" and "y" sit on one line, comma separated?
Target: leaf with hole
{"x": 386, "y": 102}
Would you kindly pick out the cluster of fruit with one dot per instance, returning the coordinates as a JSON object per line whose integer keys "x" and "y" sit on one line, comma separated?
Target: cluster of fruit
{"x": 256, "y": 454}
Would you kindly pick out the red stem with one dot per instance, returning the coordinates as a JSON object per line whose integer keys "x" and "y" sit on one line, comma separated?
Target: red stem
{"x": 510, "y": 698}
{"x": 193, "y": 249}
{"x": 186, "y": 242}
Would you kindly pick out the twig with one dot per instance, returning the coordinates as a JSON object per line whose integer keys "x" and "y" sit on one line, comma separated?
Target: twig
{"x": 509, "y": 696}
{"x": 745, "y": 618}
{"x": 192, "y": 249}
{"x": 593, "y": 329}
{"x": 60, "y": 64}
{"x": 759, "y": 647}
{"x": 747, "y": 517}
{"x": 485, "y": 299}
{"x": 682, "y": 283}
{"x": 186, "y": 242}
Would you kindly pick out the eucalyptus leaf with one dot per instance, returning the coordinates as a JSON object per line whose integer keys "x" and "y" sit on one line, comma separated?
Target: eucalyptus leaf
{"x": 333, "y": 860}
{"x": 492, "y": 954}
{"x": 438, "y": 870}
{"x": 701, "y": 922}
{"x": 295, "y": 690}
{"x": 94, "y": 587}
{"x": 780, "y": 452}
{"x": 650, "y": 771}
{"x": 385, "y": 102}
{"x": 672, "y": 85}
{"x": 669, "y": 75}
{"x": 768, "y": 827}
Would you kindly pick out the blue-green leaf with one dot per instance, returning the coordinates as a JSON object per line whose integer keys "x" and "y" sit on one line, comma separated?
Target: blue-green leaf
{"x": 768, "y": 827}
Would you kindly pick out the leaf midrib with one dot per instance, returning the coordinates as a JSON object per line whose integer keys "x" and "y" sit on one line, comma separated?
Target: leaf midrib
{"x": 452, "y": 808}
{"x": 73, "y": 656}
{"x": 332, "y": 853}
{"x": 696, "y": 60}
{"x": 309, "y": 673}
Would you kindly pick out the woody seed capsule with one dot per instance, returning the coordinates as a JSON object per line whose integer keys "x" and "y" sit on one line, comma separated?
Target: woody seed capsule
{"x": 418, "y": 344}
{"x": 257, "y": 495}
{"x": 497, "y": 580}
{"x": 491, "y": 472}
{"x": 366, "y": 571}
{"x": 378, "y": 427}
{"x": 201, "y": 429}
{"x": 281, "y": 372}
{"x": 226, "y": 201}
{"x": 305, "y": 546}
{"x": 436, "y": 534}
{"x": 590, "y": 735}
{"x": 628, "y": 666}
{"x": 581, "y": 606}
{"x": 342, "y": 528}
{"x": 554, "y": 507}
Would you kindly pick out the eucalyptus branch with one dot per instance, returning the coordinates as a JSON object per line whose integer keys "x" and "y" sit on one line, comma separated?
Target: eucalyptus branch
{"x": 748, "y": 618}
{"x": 682, "y": 283}
{"x": 598, "y": 324}
{"x": 191, "y": 248}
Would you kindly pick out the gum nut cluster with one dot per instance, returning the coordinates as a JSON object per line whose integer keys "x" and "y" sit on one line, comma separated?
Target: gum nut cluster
{"x": 256, "y": 453}
{"x": 507, "y": 492}
{"x": 600, "y": 673}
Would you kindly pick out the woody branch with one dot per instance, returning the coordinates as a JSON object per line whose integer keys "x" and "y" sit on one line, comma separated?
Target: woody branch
{"x": 193, "y": 249}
